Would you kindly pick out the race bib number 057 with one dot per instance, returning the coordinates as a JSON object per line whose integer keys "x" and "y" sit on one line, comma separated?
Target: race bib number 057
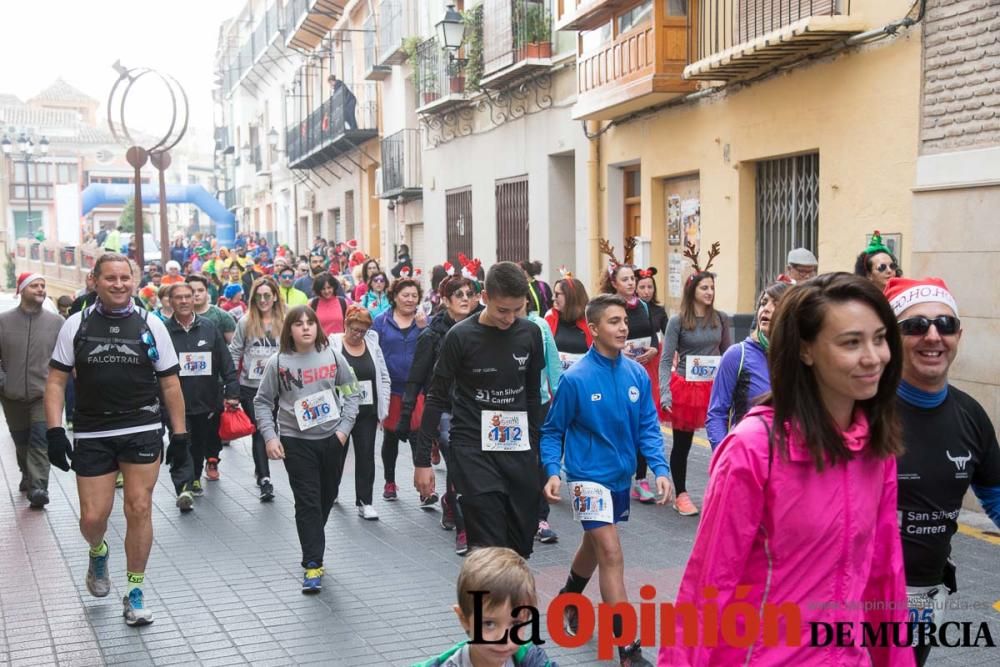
{"x": 504, "y": 431}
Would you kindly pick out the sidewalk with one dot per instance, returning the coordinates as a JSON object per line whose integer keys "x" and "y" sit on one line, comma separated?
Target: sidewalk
{"x": 223, "y": 581}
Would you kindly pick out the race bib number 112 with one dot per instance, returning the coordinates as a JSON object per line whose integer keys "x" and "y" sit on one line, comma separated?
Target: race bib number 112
{"x": 505, "y": 431}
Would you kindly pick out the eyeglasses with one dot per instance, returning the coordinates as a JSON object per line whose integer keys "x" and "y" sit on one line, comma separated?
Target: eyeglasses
{"x": 378, "y": 280}
{"x": 462, "y": 294}
{"x": 357, "y": 332}
{"x": 287, "y": 276}
{"x": 883, "y": 267}
{"x": 946, "y": 325}
{"x": 265, "y": 296}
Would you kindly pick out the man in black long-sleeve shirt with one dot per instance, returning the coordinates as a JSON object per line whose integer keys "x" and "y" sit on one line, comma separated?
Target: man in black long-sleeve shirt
{"x": 488, "y": 377}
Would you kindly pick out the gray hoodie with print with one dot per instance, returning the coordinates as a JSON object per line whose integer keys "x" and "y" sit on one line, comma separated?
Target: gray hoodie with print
{"x": 290, "y": 378}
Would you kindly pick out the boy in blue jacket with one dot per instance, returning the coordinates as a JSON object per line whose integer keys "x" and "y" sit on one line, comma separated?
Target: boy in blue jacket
{"x": 601, "y": 417}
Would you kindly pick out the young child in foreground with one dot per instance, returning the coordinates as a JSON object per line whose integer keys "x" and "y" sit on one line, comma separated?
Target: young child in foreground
{"x": 510, "y": 583}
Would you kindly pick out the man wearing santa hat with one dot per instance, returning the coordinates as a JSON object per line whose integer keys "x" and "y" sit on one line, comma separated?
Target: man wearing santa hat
{"x": 949, "y": 444}
{"x": 28, "y": 335}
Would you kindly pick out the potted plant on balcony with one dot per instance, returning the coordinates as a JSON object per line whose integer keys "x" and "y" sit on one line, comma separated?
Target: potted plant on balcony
{"x": 538, "y": 31}
{"x": 424, "y": 77}
{"x": 456, "y": 78}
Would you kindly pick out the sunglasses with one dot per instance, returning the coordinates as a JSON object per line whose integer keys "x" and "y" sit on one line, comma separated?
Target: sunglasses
{"x": 287, "y": 276}
{"x": 882, "y": 267}
{"x": 378, "y": 280}
{"x": 462, "y": 294}
{"x": 946, "y": 325}
{"x": 150, "y": 342}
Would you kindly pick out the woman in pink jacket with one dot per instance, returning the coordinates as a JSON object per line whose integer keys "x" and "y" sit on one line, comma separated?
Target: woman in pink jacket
{"x": 801, "y": 502}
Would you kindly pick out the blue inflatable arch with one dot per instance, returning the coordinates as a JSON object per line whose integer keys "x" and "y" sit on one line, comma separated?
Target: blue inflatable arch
{"x": 225, "y": 221}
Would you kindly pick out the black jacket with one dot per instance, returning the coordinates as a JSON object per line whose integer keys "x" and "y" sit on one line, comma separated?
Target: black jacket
{"x": 203, "y": 393}
{"x": 424, "y": 358}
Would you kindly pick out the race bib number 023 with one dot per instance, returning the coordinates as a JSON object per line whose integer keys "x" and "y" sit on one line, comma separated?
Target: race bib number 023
{"x": 504, "y": 431}
{"x": 316, "y": 409}
{"x": 702, "y": 368}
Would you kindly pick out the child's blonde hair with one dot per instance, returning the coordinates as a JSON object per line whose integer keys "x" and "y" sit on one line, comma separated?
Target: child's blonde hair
{"x": 499, "y": 571}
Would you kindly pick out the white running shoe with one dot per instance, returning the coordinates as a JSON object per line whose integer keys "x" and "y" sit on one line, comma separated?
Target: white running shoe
{"x": 367, "y": 512}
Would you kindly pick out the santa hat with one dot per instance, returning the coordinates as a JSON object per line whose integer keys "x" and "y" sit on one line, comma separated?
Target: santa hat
{"x": 404, "y": 272}
{"x": 905, "y": 292}
{"x": 26, "y": 279}
{"x": 449, "y": 268}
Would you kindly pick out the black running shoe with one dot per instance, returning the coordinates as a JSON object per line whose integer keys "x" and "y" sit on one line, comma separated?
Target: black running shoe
{"x": 266, "y": 490}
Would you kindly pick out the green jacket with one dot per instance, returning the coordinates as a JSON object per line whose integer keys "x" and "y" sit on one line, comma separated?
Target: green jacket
{"x": 528, "y": 655}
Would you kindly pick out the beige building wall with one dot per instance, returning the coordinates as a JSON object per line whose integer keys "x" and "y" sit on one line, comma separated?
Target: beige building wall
{"x": 956, "y": 195}
{"x": 858, "y": 109}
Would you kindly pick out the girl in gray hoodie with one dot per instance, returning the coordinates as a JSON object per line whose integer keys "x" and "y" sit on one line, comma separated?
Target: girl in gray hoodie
{"x": 317, "y": 399}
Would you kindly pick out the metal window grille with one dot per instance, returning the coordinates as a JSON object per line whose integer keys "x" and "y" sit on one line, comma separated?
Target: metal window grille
{"x": 787, "y": 212}
{"x": 458, "y": 216}
{"x": 349, "y": 215}
{"x": 512, "y": 219}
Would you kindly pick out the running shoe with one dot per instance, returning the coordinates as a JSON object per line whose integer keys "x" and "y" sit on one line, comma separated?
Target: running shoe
{"x": 545, "y": 534}
{"x": 185, "y": 500}
{"x": 312, "y": 581}
{"x": 134, "y": 611}
{"x": 461, "y": 543}
{"x": 631, "y": 656}
{"x": 98, "y": 580}
{"x": 119, "y": 480}
{"x": 571, "y": 618}
{"x": 389, "y": 492}
{"x": 197, "y": 489}
{"x": 38, "y": 498}
{"x": 212, "y": 470}
{"x": 435, "y": 453}
{"x": 266, "y": 490}
{"x": 646, "y": 495}
{"x": 367, "y": 512}
{"x": 429, "y": 502}
{"x": 684, "y": 506}
{"x": 447, "y": 514}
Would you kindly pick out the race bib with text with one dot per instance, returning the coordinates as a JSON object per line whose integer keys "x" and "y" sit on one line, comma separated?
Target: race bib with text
{"x": 316, "y": 409}
{"x": 702, "y": 368}
{"x": 505, "y": 431}
{"x": 591, "y": 502}
{"x": 196, "y": 363}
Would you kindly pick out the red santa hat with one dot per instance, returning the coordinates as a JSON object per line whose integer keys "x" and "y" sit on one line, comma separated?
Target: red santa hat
{"x": 905, "y": 292}
{"x": 405, "y": 272}
{"x": 26, "y": 279}
{"x": 449, "y": 268}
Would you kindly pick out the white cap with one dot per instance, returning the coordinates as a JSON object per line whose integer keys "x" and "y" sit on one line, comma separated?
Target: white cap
{"x": 803, "y": 257}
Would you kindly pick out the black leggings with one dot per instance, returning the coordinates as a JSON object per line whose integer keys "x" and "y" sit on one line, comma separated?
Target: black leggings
{"x": 261, "y": 467}
{"x": 679, "y": 459}
{"x": 640, "y": 467}
{"x": 390, "y": 452}
{"x": 363, "y": 439}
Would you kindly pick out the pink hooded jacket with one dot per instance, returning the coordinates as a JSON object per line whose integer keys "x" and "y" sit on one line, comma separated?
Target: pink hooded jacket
{"x": 779, "y": 531}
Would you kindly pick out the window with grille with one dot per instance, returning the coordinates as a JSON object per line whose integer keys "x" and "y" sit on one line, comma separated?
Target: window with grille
{"x": 349, "y": 228}
{"x": 787, "y": 212}
{"x": 512, "y": 219}
{"x": 458, "y": 217}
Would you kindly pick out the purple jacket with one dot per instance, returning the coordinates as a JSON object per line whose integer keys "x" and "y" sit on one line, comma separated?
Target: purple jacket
{"x": 777, "y": 531}
{"x": 731, "y": 397}
{"x": 397, "y": 347}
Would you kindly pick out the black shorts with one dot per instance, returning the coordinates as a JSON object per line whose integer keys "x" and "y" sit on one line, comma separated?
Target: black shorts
{"x": 499, "y": 493}
{"x": 93, "y": 457}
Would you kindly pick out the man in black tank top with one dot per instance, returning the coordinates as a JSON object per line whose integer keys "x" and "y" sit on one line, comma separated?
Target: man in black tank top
{"x": 488, "y": 376}
{"x": 124, "y": 361}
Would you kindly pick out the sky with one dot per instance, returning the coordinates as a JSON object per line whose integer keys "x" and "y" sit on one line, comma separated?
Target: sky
{"x": 78, "y": 40}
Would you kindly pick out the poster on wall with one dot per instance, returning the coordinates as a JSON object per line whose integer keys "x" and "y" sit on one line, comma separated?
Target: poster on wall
{"x": 894, "y": 242}
{"x": 691, "y": 219}
{"x": 675, "y": 271}
{"x": 674, "y": 220}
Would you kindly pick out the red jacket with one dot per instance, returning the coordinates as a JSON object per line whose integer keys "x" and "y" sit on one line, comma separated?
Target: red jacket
{"x": 552, "y": 317}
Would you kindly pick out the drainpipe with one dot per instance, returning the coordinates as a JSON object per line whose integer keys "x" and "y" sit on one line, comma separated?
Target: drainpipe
{"x": 889, "y": 28}
{"x": 595, "y": 221}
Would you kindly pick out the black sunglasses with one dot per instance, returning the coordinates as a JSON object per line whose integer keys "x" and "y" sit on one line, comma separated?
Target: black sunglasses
{"x": 883, "y": 267}
{"x": 946, "y": 325}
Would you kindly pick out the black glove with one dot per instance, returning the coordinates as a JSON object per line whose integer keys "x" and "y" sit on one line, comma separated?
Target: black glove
{"x": 60, "y": 449}
{"x": 177, "y": 450}
{"x": 403, "y": 427}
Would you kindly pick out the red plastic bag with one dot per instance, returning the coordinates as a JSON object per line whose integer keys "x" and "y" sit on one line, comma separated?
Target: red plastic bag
{"x": 235, "y": 424}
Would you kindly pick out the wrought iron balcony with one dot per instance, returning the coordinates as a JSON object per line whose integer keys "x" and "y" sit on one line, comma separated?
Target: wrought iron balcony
{"x": 588, "y": 14}
{"x": 374, "y": 71}
{"x": 348, "y": 118}
{"x": 396, "y": 19}
{"x": 308, "y": 21}
{"x": 439, "y": 83}
{"x": 734, "y": 39}
{"x": 401, "y": 165}
{"x": 517, "y": 40}
{"x": 229, "y": 198}
{"x": 253, "y": 46}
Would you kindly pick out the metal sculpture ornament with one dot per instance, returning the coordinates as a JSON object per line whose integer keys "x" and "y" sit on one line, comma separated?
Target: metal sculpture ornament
{"x": 136, "y": 155}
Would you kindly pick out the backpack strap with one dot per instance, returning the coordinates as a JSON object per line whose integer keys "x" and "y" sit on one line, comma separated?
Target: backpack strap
{"x": 739, "y": 372}
{"x": 770, "y": 447}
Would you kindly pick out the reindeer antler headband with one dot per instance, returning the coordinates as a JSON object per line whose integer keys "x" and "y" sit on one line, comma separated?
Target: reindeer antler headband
{"x": 691, "y": 253}
{"x": 609, "y": 250}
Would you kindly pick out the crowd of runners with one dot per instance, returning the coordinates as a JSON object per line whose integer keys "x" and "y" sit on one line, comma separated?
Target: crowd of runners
{"x": 841, "y": 452}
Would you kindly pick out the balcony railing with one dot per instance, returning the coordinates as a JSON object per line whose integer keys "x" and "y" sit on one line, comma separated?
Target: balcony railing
{"x": 229, "y": 198}
{"x": 401, "y": 175}
{"x": 727, "y": 37}
{"x": 439, "y": 83}
{"x": 258, "y": 162}
{"x": 254, "y": 44}
{"x": 339, "y": 124}
{"x": 374, "y": 70}
{"x": 396, "y": 19}
{"x": 308, "y": 21}
{"x": 515, "y": 31}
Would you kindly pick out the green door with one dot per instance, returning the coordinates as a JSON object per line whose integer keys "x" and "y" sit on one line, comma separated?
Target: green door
{"x": 25, "y": 227}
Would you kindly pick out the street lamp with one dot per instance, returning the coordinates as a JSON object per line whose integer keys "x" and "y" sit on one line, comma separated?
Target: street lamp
{"x": 26, "y": 146}
{"x": 451, "y": 30}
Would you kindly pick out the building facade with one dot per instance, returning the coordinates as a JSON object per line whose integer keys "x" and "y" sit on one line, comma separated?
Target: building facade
{"x": 956, "y": 191}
